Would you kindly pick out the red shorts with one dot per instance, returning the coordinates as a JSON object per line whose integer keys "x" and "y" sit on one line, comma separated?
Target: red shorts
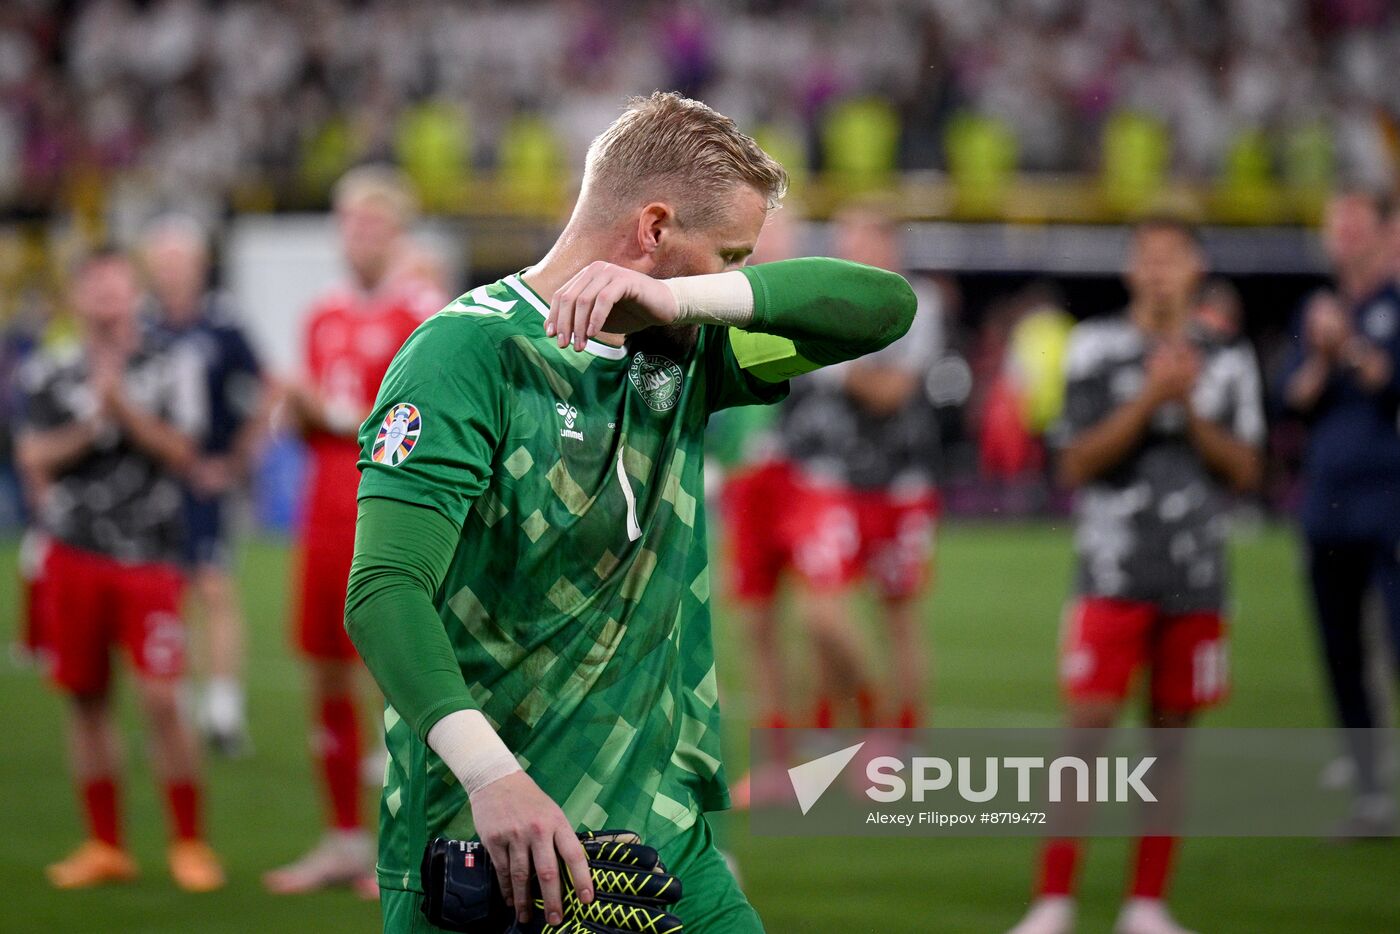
{"x": 325, "y": 555}
{"x": 91, "y": 602}
{"x": 757, "y": 503}
{"x": 1107, "y": 640}
{"x": 840, "y": 534}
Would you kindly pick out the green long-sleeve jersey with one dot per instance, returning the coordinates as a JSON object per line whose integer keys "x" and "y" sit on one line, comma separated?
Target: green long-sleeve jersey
{"x": 576, "y": 602}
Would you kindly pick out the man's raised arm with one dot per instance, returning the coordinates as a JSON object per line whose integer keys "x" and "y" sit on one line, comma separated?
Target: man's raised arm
{"x": 830, "y": 309}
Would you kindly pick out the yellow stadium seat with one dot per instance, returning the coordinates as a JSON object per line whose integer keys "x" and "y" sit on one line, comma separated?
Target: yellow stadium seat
{"x": 531, "y": 165}
{"x": 433, "y": 146}
{"x": 981, "y": 152}
{"x": 1136, "y": 153}
{"x": 860, "y": 143}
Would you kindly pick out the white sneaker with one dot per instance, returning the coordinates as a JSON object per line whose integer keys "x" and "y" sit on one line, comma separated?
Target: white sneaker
{"x": 341, "y": 857}
{"x": 1339, "y": 774}
{"x": 1146, "y": 916}
{"x": 1051, "y": 914}
{"x": 1372, "y": 815}
{"x": 223, "y": 718}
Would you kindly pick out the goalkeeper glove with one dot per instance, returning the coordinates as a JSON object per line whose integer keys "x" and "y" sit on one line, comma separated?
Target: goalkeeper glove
{"x": 631, "y": 890}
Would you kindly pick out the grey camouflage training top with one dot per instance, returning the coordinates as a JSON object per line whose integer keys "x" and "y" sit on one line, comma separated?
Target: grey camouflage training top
{"x": 1153, "y": 528}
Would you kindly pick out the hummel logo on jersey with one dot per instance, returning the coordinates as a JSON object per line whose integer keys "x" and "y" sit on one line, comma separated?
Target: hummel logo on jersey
{"x": 568, "y": 413}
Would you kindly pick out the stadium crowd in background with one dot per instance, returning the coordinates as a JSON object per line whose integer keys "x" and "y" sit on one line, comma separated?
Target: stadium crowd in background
{"x": 267, "y": 103}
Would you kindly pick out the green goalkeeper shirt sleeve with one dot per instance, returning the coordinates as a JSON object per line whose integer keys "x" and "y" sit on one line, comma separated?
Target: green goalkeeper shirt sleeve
{"x": 402, "y": 552}
{"x": 828, "y": 310}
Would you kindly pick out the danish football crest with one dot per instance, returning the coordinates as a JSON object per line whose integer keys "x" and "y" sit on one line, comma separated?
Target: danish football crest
{"x": 397, "y": 435}
{"x": 658, "y": 379}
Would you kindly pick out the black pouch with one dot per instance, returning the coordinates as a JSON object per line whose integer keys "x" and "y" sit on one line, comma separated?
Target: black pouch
{"x": 460, "y": 891}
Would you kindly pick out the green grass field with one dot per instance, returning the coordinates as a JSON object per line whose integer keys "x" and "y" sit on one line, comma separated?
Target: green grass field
{"x": 993, "y": 626}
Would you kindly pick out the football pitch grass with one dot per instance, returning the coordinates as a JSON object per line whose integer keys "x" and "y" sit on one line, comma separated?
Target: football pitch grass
{"x": 993, "y": 623}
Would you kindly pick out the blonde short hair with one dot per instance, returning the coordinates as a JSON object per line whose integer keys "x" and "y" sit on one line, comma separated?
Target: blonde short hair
{"x": 666, "y": 145}
{"x": 381, "y": 183}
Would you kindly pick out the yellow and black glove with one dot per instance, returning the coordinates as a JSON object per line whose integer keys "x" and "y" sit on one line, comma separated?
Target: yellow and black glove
{"x": 631, "y": 891}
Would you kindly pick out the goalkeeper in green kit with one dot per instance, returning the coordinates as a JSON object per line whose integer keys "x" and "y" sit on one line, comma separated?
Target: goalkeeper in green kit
{"x": 530, "y": 585}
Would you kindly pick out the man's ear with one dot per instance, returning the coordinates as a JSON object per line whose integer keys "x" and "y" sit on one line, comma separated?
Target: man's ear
{"x": 656, "y": 222}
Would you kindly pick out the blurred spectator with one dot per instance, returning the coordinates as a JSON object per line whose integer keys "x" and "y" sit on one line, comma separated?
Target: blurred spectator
{"x": 1344, "y": 377}
{"x": 201, "y": 100}
{"x": 185, "y": 312}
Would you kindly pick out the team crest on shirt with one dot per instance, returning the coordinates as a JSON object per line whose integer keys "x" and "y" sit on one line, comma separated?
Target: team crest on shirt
{"x": 658, "y": 379}
{"x": 397, "y": 435}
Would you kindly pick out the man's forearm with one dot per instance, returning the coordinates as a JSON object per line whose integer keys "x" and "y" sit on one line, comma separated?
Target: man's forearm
{"x": 402, "y": 553}
{"x": 42, "y": 454}
{"x": 255, "y": 427}
{"x": 832, "y": 310}
{"x": 159, "y": 439}
{"x": 1373, "y": 368}
{"x": 1239, "y": 463}
{"x": 1307, "y": 383}
{"x": 312, "y": 414}
{"x": 1099, "y": 449}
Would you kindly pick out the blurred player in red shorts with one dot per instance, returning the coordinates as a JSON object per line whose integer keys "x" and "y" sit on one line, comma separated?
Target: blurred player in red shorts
{"x": 840, "y": 493}
{"x": 109, "y": 426}
{"x": 1161, "y": 419}
{"x": 864, "y": 437}
{"x": 351, "y": 334}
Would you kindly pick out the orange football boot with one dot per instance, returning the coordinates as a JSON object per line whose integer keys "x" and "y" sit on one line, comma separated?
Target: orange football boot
{"x": 93, "y": 863}
{"x": 194, "y": 867}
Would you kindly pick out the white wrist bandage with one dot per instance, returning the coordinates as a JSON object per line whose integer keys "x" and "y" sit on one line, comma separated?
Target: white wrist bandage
{"x": 472, "y": 750}
{"x": 722, "y": 298}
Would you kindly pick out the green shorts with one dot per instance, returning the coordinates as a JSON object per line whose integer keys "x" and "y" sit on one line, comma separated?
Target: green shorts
{"x": 713, "y": 902}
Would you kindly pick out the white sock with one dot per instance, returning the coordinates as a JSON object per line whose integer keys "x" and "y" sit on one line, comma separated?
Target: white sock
{"x": 224, "y": 704}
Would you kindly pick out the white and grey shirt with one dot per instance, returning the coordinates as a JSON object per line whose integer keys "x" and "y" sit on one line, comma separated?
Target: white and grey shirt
{"x": 117, "y": 501}
{"x": 1153, "y": 527}
{"x": 837, "y": 441}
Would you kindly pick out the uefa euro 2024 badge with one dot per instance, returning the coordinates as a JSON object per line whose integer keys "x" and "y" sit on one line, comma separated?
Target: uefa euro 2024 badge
{"x": 398, "y": 434}
{"x": 658, "y": 379}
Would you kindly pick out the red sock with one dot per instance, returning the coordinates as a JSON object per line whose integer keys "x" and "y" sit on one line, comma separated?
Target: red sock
{"x": 1152, "y": 865}
{"x": 867, "y": 708}
{"x": 824, "y": 717}
{"x": 183, "y": 800}
{"x": 778, "y": 745}
{"x": 100, "y": 806}
{"x": 339, "y": 751}
{"x": 909, "y": 717}
{"x": 1058, "y": 861}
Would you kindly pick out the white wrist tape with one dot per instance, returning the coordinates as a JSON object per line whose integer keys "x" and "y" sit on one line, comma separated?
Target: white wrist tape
{"x": 722, "y": 298}
{"x": 472, "y": 750}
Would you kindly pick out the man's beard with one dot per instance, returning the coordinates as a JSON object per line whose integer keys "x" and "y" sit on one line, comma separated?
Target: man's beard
{"x": 676, "y": 341}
